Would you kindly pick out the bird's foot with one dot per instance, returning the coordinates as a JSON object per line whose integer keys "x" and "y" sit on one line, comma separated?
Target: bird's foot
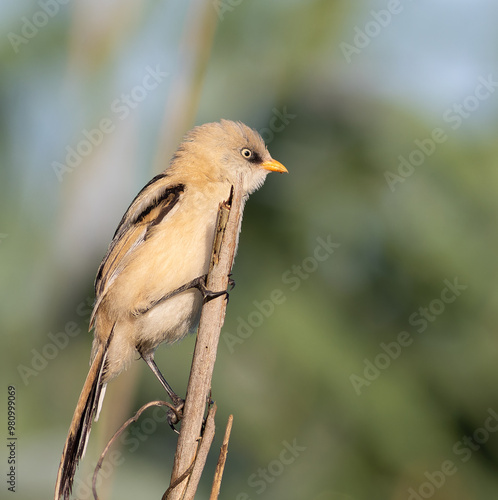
{"x": 175, "y": 414}
{"x": 200, "y": 284}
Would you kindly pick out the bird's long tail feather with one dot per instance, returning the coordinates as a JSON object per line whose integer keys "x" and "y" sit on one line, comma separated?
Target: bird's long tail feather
{"x": 87, "y": 409}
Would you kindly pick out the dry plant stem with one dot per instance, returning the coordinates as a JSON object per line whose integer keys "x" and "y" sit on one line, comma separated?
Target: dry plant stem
{"x": 173, "y": 484}
{"x": 197, "y": 466}
{"x": 220, "y": 466}
{"x": 116, "y": 435}
{"x": 202, "y": 454}
{"x": 212, "y": 318}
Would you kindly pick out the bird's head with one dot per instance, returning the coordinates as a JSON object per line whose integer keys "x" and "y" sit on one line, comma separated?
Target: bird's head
{"x": 221, "y": 151}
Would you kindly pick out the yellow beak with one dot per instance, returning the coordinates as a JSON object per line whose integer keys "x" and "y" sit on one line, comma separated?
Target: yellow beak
{"x": 274, "y": 166}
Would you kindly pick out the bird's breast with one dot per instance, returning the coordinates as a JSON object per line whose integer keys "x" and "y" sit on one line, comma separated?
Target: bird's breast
{"x": 174, "y": 252}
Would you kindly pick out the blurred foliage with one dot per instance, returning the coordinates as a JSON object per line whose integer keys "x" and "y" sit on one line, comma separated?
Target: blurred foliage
{"x": 303, "y": 325}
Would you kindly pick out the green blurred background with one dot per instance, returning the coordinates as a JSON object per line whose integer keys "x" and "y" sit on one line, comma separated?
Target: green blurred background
{"x": 385, "y": 114}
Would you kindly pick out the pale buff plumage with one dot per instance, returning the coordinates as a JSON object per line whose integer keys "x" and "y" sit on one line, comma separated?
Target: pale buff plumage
{"x": 163, "y": 242}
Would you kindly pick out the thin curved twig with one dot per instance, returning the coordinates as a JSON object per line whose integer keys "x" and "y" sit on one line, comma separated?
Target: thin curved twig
{"x": 117, "y": 434}
{"x": 175, "y": 483}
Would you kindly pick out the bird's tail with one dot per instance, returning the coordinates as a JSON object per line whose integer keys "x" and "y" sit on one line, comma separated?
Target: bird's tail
{"x": 87, "y": 409}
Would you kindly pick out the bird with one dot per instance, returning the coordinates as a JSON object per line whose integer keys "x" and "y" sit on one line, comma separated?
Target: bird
{"x": 150, "y": 286}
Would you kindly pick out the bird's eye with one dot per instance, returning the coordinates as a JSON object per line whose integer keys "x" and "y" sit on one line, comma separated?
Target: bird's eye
{"x": 246, "y": 153}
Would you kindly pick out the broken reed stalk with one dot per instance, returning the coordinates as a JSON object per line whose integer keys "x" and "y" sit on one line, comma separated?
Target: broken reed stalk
{"x": 220, "y": 466}
{"x": 212, "y": 318}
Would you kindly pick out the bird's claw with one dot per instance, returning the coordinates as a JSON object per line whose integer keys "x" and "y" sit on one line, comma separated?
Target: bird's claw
{"x": 209, "y": 294}
{"x": 175, "y": 414}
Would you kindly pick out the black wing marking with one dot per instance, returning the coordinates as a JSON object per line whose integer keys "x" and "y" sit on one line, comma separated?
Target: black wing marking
{"x": 148, "y": 209}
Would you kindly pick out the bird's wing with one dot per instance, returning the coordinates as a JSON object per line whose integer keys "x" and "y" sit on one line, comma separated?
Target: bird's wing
{"x": 152, "y": 204}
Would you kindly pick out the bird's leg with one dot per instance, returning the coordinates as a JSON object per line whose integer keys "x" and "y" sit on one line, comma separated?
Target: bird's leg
{"x": 199, "y": 283}
{"x": 174, "y": 415}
